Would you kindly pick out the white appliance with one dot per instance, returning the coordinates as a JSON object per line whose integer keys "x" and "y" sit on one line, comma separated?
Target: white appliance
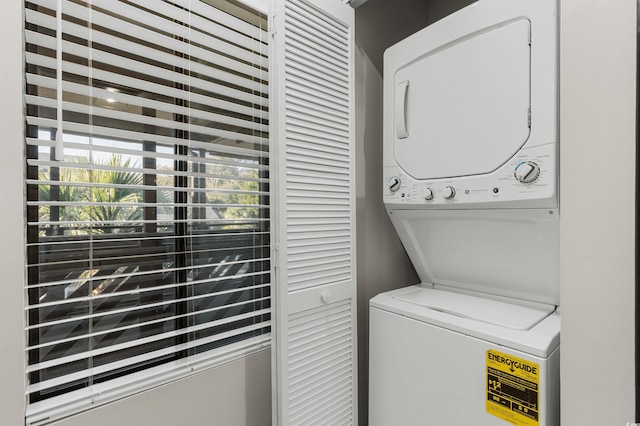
{"x": 470, "y": 184}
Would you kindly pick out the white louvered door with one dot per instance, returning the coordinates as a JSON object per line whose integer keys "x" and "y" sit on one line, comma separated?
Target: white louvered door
{"x": 315, "y": 284}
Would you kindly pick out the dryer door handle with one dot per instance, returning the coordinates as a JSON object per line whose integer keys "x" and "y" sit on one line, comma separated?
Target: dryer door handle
{"x": 402, "y": 90}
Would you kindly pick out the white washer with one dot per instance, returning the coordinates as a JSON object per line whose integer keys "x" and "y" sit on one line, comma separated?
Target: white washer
{"x": 429, "y": 360}
{"x": 470, "y": 184}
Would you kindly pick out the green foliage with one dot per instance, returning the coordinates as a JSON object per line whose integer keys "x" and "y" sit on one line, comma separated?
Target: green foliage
{"x": 103, "y": 206}
{"x": 66, "y": 193}
{"x": 234, "y": 189}
{"x": 106, "y": 197}
{"x": 115, "y": 204}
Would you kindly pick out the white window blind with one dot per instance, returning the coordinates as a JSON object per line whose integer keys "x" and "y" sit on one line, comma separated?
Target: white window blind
{"x": 147, "y": 195}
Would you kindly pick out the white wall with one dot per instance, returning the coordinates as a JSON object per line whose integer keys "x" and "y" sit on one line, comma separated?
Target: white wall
{"x": 597, "y": 139}
{"x": 237, "y": 393}
{"x": 11, "y": 216}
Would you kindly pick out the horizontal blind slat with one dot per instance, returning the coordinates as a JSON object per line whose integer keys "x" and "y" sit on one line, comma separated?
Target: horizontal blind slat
{"x": 248, "y": 95}
{"x": 176, "y": 20}
{"x": 147, "y": 323}
{"x": 137, "y": 359}
{"x": 149, "y": 242}
{"x": 126, "y": 116}
{"x": 217, "y": 15}
{"x": 143, "y": 341}
{"x": 156, "y": 88}
{"x": 129, "y": 116}
{"x": 116, "y": 133}
{"x": 141, "y": 291}
{"x": 150, "y": 38}
{"x": 145, "y": 52}
{"x": 247, "y": 158}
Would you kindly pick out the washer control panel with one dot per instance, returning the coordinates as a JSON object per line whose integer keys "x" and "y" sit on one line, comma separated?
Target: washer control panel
{"x": 531, "y": 176}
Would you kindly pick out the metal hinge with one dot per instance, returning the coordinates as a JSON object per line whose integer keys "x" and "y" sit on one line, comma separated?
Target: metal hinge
{"x": 272, "y": 25}
{"x": 529, "y": 117}
{"x": 529, "y": 36}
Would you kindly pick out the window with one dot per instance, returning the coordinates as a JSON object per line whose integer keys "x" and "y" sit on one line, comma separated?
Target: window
{"x": 147, "y": 194}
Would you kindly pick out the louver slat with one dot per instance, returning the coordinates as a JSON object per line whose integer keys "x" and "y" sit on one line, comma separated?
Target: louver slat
{"x": 320, "y": 387}
{"x": 316, "y": 360}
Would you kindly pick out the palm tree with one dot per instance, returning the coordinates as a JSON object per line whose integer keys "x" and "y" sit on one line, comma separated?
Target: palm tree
{"x": 116, "y": 202}
{"x": 68, "y": 192}
{"x": 109, "y": 205}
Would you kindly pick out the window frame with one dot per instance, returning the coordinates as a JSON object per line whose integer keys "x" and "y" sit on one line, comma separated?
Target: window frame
{"x": 182, "y": 235}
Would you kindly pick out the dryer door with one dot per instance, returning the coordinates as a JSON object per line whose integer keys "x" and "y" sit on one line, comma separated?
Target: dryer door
{"x": 462, "y": 109}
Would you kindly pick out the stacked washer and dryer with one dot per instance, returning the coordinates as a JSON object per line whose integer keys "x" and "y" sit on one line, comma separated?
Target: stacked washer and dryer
{"x": 471, "y": 187}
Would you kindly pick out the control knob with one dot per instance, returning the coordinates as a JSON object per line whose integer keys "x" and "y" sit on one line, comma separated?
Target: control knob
{"x": 527, "y": 172}
{"x": 428, "y": 194}
{"x": 394, "y": 183}
{"x": 449, "y": 192}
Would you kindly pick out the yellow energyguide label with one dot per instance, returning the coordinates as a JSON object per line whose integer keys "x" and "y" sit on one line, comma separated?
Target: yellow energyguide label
{"x": 513, "y": 389}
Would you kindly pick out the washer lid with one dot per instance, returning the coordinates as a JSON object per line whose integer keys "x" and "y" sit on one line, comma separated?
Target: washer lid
{"x": 541, "y": 339}
{"x": 509, "y": 315}
{"x": 510, "y": 253}
{"x": 462, "y": 108}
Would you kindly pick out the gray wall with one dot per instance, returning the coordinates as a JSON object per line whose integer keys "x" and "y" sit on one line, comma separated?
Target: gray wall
{"x": 382, "y": 23}
{"x": 382, "y": 262}
{"x": 237, "y": 393}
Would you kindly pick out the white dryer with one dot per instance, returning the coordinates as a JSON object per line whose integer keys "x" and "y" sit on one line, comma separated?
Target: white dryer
{"x": 470, "y": 184}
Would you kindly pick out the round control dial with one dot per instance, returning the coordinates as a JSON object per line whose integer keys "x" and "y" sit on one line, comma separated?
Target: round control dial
{"x": 527, "y": 172}
{"x": 428, "y": 194}
{"x": 394, "y": 183}
{"x": 449, "y": 192}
